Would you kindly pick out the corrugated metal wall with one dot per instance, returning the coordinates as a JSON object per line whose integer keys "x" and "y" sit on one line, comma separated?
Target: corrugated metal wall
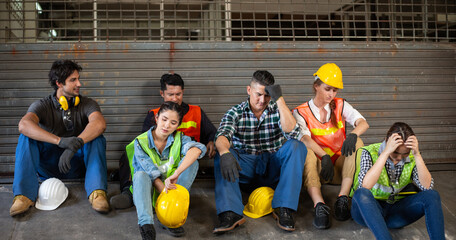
{"x": 409, "y": 82}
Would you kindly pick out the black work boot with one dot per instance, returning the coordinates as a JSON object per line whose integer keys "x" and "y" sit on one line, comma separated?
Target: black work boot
{"x": 341, "y": 209}
{"x": 321, "y": 220}
{"x": 228, "y": 221}
{"x": 175, "y": 232}
{"x": 147, "y": 231}
{"x": 284, "y": 218}
{"x": 123, "y": 200}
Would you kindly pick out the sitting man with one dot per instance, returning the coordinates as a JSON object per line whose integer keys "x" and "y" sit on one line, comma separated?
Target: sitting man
{"x": 195, "y": 124}
{"x": 61, "y": 136}
{"x": 258, "y": 145}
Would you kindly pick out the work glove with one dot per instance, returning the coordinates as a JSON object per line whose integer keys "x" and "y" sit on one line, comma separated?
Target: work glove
{"x": 349, "y": 145}
{"x": 71, "y": 143}
{"x": 275, "y": 91}
{"x": 327, "y": 168}
{"x": 65, "y": 161}
{"x": 229, "y": 167}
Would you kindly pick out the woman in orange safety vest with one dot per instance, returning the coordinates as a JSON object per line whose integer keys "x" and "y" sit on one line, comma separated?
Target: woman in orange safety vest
{"x": 322, "y": 121}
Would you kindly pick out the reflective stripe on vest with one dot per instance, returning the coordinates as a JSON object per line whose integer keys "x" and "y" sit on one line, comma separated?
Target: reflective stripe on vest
{"x": 326, "y": 135}
{"x": 384, "y": 189}
{"x": 167, "y": 167}
{"x": 191, "y": 123}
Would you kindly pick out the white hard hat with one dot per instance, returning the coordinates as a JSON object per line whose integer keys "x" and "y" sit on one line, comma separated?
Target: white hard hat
{"x": 51, "y": 194}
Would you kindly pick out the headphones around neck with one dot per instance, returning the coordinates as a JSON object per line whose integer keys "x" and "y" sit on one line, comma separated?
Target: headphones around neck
{"x": 65, "y": 104}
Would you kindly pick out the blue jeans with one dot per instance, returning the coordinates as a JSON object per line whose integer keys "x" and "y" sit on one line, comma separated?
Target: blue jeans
{"x": 379, "y": 215}
{"x": 40, "y": 159}
{"x": 142, "y": 191}
{"x": 281, "y": 170}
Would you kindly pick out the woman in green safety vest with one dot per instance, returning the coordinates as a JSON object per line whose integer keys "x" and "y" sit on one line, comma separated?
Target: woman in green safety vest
{"x": 162, "y": 157}
{"x": 384, "y": 174}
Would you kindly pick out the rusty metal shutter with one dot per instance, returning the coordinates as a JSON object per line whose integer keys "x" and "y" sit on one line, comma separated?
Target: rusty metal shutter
{"x": 410, "y": 82}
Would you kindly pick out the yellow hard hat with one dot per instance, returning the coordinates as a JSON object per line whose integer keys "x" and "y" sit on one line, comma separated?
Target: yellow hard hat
{"x": 172, "y": 207}
{"x": 259, "y": 203}
{"x": 330, "y": 74}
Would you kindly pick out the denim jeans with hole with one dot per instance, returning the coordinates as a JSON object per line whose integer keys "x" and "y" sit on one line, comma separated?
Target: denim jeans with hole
{"x": 143, "y": 191}
{"x": 378, "y": 215}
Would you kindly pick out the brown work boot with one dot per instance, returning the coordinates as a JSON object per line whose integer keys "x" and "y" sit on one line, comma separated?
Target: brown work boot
{"x": 21, "y": 204}
{"x": 99, "y": 201}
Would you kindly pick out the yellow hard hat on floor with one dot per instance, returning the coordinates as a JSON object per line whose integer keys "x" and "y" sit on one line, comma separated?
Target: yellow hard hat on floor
{"x": 259, "y": 203}
{"x": 172, "y": 207}
{"x": 330, "y": 74}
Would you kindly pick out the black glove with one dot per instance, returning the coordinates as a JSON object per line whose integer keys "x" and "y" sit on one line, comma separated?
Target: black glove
{"x": 275, "y": 91}
{"x": 71, "y": 143}
{"x": 349, "y": 145}
{"x": 229, "y": 167}
{"x": 327, "y": 168}
{"x": 65, "y": 161}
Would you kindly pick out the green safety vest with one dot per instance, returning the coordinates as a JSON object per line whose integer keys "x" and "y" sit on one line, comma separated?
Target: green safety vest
{"x": 167, "y": 167}
{"x": 384, "y": 189}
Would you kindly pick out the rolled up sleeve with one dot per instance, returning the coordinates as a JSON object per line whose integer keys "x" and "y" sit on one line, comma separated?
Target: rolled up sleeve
{"x": 188, "y": 143}
{"x": 227, "y": 125}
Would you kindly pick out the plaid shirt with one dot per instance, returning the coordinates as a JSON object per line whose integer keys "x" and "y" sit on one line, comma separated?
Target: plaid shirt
{"x": 246, "y": 132}
{"x": 394, "y": 171}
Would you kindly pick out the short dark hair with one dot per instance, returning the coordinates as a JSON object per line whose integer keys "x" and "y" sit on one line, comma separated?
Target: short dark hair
{"x": 403, "y": 129}
{"x": 263, "y": 77}
{"x": 61, "y": 70}
{"x": 173, "y": 107}
{"x": 173, "y": 79}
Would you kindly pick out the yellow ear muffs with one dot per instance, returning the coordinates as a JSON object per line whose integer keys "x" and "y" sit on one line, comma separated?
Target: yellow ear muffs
{"x": 64, "y": 103}
{"x": 76, "y": 101}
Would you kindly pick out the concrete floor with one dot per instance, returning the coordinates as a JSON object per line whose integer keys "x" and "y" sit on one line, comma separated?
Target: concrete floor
{"x": 75, "y": 219}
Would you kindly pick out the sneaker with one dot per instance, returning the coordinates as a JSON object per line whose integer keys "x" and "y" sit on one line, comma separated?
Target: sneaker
{"x": 228, "y": 221}
{"x": 284, "y": 218}
{"x": 147, "y": 232}
{"x": 321, "y": 220}
{"x": 342, "y": 211}
{"x": 99, "y": 201}
{"x": 123, "y": 200}
{"x": 20, "y": 205}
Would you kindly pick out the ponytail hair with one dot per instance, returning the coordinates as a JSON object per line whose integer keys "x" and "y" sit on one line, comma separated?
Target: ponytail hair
{"x": 332, "y": 105}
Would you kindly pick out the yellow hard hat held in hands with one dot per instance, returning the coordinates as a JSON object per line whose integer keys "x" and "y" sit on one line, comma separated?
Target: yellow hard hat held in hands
{"x": 330, "y": 74}
{"x": 172, "y": 207}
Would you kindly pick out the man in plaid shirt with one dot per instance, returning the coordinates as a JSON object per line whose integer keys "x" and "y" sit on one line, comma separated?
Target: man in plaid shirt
{"x": 258, "y": 145}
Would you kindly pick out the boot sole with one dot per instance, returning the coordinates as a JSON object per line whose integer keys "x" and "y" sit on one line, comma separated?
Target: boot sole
{"x": 341, "y": 219}
{"x": 171, "y": 233}
{"x": 321, "y": 227}
{"x": 222, "y": 230}
{"x": 280, "y": 226}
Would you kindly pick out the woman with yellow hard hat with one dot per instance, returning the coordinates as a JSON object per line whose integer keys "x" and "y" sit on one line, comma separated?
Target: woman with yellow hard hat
{"x": 330, "y": 157}
{"x": 162, "y": 159}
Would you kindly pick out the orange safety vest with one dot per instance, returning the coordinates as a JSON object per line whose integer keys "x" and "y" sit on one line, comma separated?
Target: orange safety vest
{"x": 191, "y": 123}
{"x": 326, "y": 135}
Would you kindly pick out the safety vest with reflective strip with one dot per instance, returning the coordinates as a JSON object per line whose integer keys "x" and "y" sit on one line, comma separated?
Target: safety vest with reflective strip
{"x": 384, "y": 189}
{"x": 166, "y": 167}
{"x": 191, "y": 123}
{"x": 326, "y": 135}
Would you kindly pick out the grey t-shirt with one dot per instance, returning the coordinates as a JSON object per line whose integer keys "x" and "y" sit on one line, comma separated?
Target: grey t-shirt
{"x": 51, "y": 118}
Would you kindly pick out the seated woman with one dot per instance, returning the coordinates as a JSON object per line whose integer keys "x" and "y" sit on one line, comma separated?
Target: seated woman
{"x": 323, "y": 122}
{"x": 162, "y": 157}
{"x": 383, "y": 173}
